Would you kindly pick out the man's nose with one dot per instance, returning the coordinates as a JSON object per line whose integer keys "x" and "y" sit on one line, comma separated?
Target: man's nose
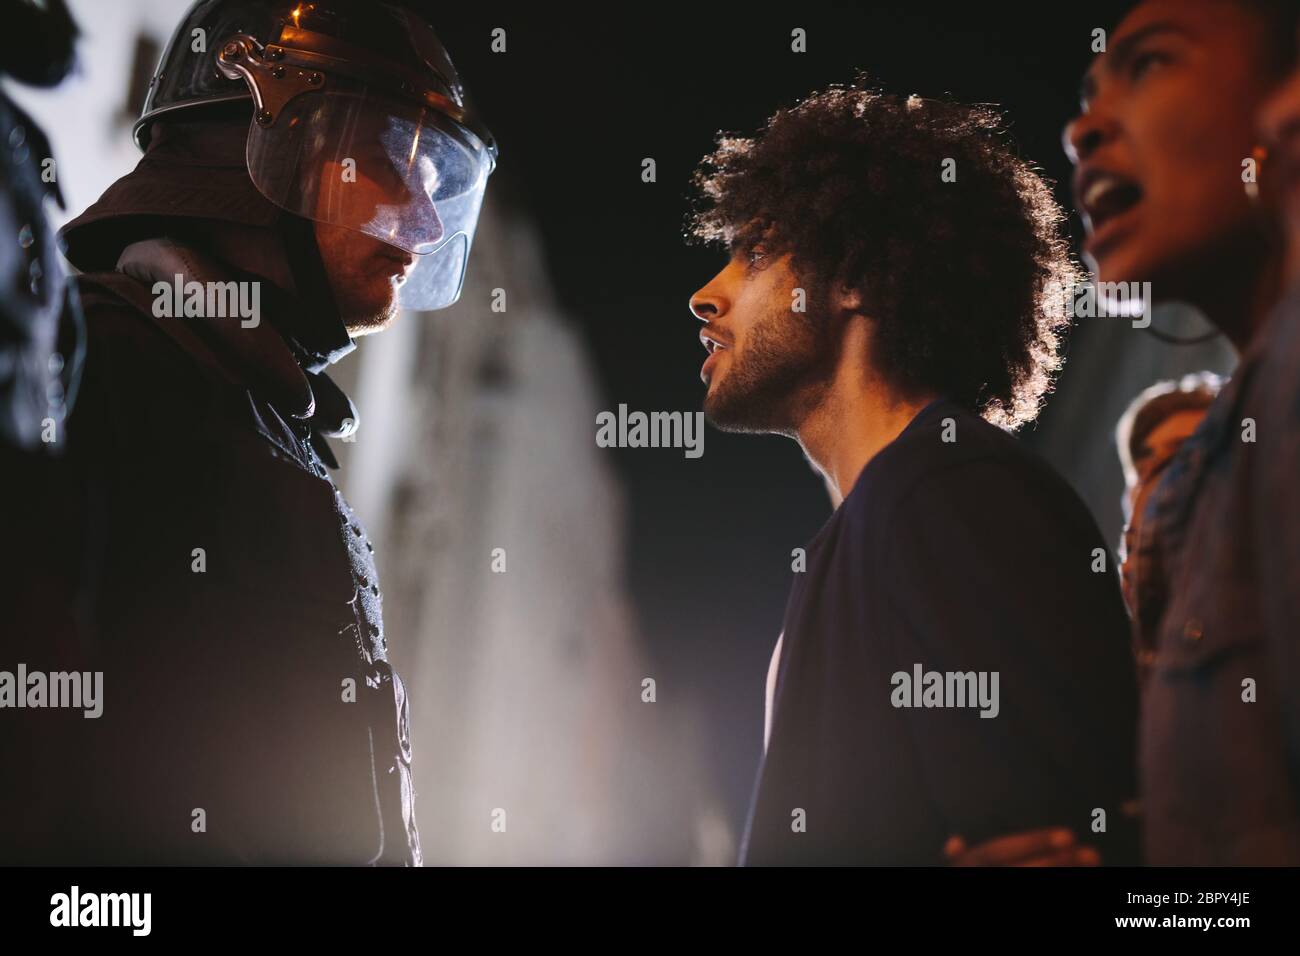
{"x": 708, "y": 304}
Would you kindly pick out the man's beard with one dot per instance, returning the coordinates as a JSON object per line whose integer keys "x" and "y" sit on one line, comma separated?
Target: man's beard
{"x": 782, "y": 373}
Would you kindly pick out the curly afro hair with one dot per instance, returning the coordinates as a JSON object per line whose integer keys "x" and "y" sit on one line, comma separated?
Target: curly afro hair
{"x": 963, "y": 278}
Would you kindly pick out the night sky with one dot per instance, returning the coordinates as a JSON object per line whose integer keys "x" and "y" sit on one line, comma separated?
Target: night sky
{"x": 576, "y": 104}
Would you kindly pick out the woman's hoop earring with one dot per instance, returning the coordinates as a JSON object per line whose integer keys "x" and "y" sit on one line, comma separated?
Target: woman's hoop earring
{"x": 1257, "y": 156}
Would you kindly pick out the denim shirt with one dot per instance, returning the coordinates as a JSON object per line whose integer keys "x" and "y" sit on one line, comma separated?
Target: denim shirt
{"x": 1218, "y": 618}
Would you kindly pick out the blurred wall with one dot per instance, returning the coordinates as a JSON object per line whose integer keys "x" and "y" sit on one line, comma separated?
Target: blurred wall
{"x": 89, "y": 117}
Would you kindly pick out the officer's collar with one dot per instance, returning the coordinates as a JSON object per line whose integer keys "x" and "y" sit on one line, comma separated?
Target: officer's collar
{"x": 310, "y": 322}
{"x": 268, "y": 355}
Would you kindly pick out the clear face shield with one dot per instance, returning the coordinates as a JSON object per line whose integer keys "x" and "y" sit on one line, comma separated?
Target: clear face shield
{"x": 401, "y": 171}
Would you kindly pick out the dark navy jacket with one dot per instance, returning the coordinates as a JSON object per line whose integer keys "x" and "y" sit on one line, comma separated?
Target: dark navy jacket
{"x": 968, "y": 555}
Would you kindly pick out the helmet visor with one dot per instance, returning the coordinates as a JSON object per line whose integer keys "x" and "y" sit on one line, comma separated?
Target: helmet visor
{"x": 400, "y": 172}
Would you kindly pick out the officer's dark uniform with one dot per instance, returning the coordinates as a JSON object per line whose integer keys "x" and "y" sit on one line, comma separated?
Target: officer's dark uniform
{"x": 196, "y": 550}
{"x": 191, "y": 545}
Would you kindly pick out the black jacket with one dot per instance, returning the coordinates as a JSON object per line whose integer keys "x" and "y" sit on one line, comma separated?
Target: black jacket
{"x": 961, "y": 556}
{"x": 192, "y": 546}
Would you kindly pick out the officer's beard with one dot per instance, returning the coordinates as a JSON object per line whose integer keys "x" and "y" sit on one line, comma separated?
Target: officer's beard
{"x": 363, "y": 275}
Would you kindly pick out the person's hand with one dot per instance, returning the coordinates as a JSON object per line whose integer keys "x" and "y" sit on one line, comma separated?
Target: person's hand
{"x": 1050, "y": 847}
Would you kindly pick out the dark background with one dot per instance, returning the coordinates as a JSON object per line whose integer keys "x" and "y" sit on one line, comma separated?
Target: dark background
{"x": 577, "y": 101}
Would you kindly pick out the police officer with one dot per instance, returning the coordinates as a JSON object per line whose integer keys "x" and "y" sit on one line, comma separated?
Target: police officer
{"x": 320, "y": 164}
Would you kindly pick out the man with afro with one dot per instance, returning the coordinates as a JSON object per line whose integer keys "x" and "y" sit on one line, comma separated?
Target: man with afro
{"x": 955, "y": 657}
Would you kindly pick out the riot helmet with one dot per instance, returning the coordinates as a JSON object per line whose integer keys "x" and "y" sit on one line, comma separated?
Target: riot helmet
{"x": 358, "y": 119}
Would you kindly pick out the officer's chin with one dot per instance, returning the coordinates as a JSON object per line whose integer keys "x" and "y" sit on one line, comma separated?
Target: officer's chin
{"x": 371, "y": 325}
{"x": 375, "y": 316}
